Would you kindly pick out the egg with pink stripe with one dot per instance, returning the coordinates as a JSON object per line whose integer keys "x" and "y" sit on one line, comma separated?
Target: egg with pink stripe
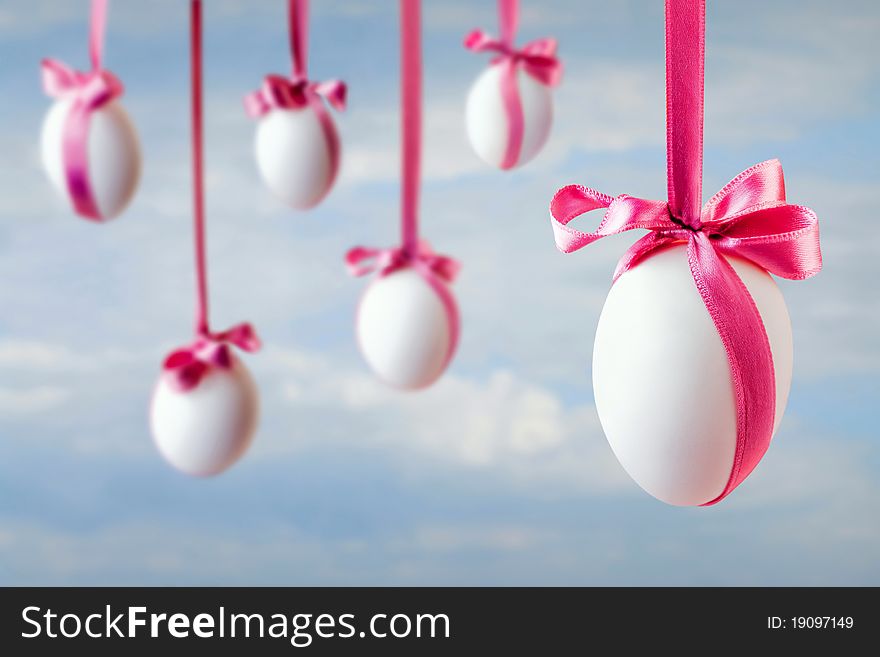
{"x": 297, "y": 145}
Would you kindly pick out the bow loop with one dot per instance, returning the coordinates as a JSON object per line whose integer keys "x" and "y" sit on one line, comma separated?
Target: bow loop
{"x": 185, "y": 368}
{"x": 538, "y": 57}
{"x": 361, "y": 261}
{"x": 539, "y": 60}
{"x": 334, "y": 92}
{"x": 95, "y": 88}
{"x": 243, "y": 336}
{"x": 481, "y": 41}
{"x": 758, "y": 185}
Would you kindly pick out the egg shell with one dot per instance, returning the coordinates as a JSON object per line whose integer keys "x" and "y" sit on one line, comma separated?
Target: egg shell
{"x": 662, "y": 382}
{"x": 405, "y": 330}
{"x": 294, "y": 157}
{"x": 487, "y": 122}
{"x": 203, "y": 431}
{"x": 114, "y": 157}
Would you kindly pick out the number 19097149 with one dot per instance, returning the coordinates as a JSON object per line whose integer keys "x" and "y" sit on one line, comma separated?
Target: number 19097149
{"x": 810, "y": 623}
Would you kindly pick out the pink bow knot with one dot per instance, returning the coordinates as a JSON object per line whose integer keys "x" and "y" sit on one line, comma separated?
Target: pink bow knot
{"x": 538, "y": 57}
{"x": 94, "y": 89}
{"x": 186, "y": 367}
{"x": 286, "y": 93}
{"x": 363, "y": 260}
{"x": 748, "y": 218}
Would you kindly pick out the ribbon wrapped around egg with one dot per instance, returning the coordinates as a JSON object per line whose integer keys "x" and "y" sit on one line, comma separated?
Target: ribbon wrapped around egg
{"x": 89, "y": 146}
{"x": 509, "y": 109}
{"x": 407, "y": 321}
{"x": 205, "y": 406}
{"x": 693, "y": 353}
{"x": 297, "y": 145}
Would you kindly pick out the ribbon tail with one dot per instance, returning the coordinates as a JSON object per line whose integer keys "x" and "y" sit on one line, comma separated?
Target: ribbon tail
{"x": 745, "y": 341}
{"x": 75, "y": 151}
{"x": 513, "y": 108}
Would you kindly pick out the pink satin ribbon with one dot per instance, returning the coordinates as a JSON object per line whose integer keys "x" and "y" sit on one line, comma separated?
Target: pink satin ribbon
{"x": 363, "y": 260}
{"x": 748, "y": 218}
{"x": 89, "y": 91}
{"x": 437, "y": 270}
{"x": 298, "y": 91}
{"x": 537, "y": 58}
{"x": 186, "y": 367}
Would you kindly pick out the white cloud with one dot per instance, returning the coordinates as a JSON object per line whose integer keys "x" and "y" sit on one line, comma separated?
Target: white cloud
{"x": 509, "y": 428}
{"x": 17, "y": 402}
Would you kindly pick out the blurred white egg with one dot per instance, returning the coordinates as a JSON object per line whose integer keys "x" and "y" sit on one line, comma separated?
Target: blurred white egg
{"x": 404, "y": 329}
{"x": 114, "y": 158}
{"x": 487, "y": 122}
{"x": 294, "y": 156}
{"x": 203, "y": 431}
{"x": 662, "y": 382}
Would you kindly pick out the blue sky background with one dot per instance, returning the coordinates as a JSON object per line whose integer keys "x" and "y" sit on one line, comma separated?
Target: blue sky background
{"x": 500, "y": 474}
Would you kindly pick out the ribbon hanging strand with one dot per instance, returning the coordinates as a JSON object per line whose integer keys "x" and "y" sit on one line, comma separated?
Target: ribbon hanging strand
{"x": 537, "y": 58}
{"x": 89, "y": 91}
{"x": 411, "y": 123}
{"x": 185, "y": 367}
{"x": 413, "y": 251}
{"x": 748, "y": 218}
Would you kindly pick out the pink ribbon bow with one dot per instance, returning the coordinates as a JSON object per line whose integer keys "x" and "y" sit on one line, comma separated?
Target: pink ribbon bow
{"x": 89, "y": 91}
{"x": 537, "y": 58}
{"x": 361, "y": 261}
{"x": 186, "y": 367}
{"x": 93, "y": 89}
{"x": 284, "y": 93}
{"x": 749, "y": 218}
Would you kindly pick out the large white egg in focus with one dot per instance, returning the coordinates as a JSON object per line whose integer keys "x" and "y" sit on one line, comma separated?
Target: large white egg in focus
{"x": 662, "y": 382}
{"x": 486, "y": 116}
{"x": 404, "y": 329}
{"x": 203, "y": 431}
{"x": 294, "y": 157}
{"x": 114, "y": 157}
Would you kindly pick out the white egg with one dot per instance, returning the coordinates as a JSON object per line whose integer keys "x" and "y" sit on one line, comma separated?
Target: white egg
{"x": 294, "y": 156}
{"x": 486, "y": 116}
{"x": 661, "y": 379}
{"x": 405, "y": 332}
{"x": 114, "y": 158}
{"x": 205, "y": 430}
